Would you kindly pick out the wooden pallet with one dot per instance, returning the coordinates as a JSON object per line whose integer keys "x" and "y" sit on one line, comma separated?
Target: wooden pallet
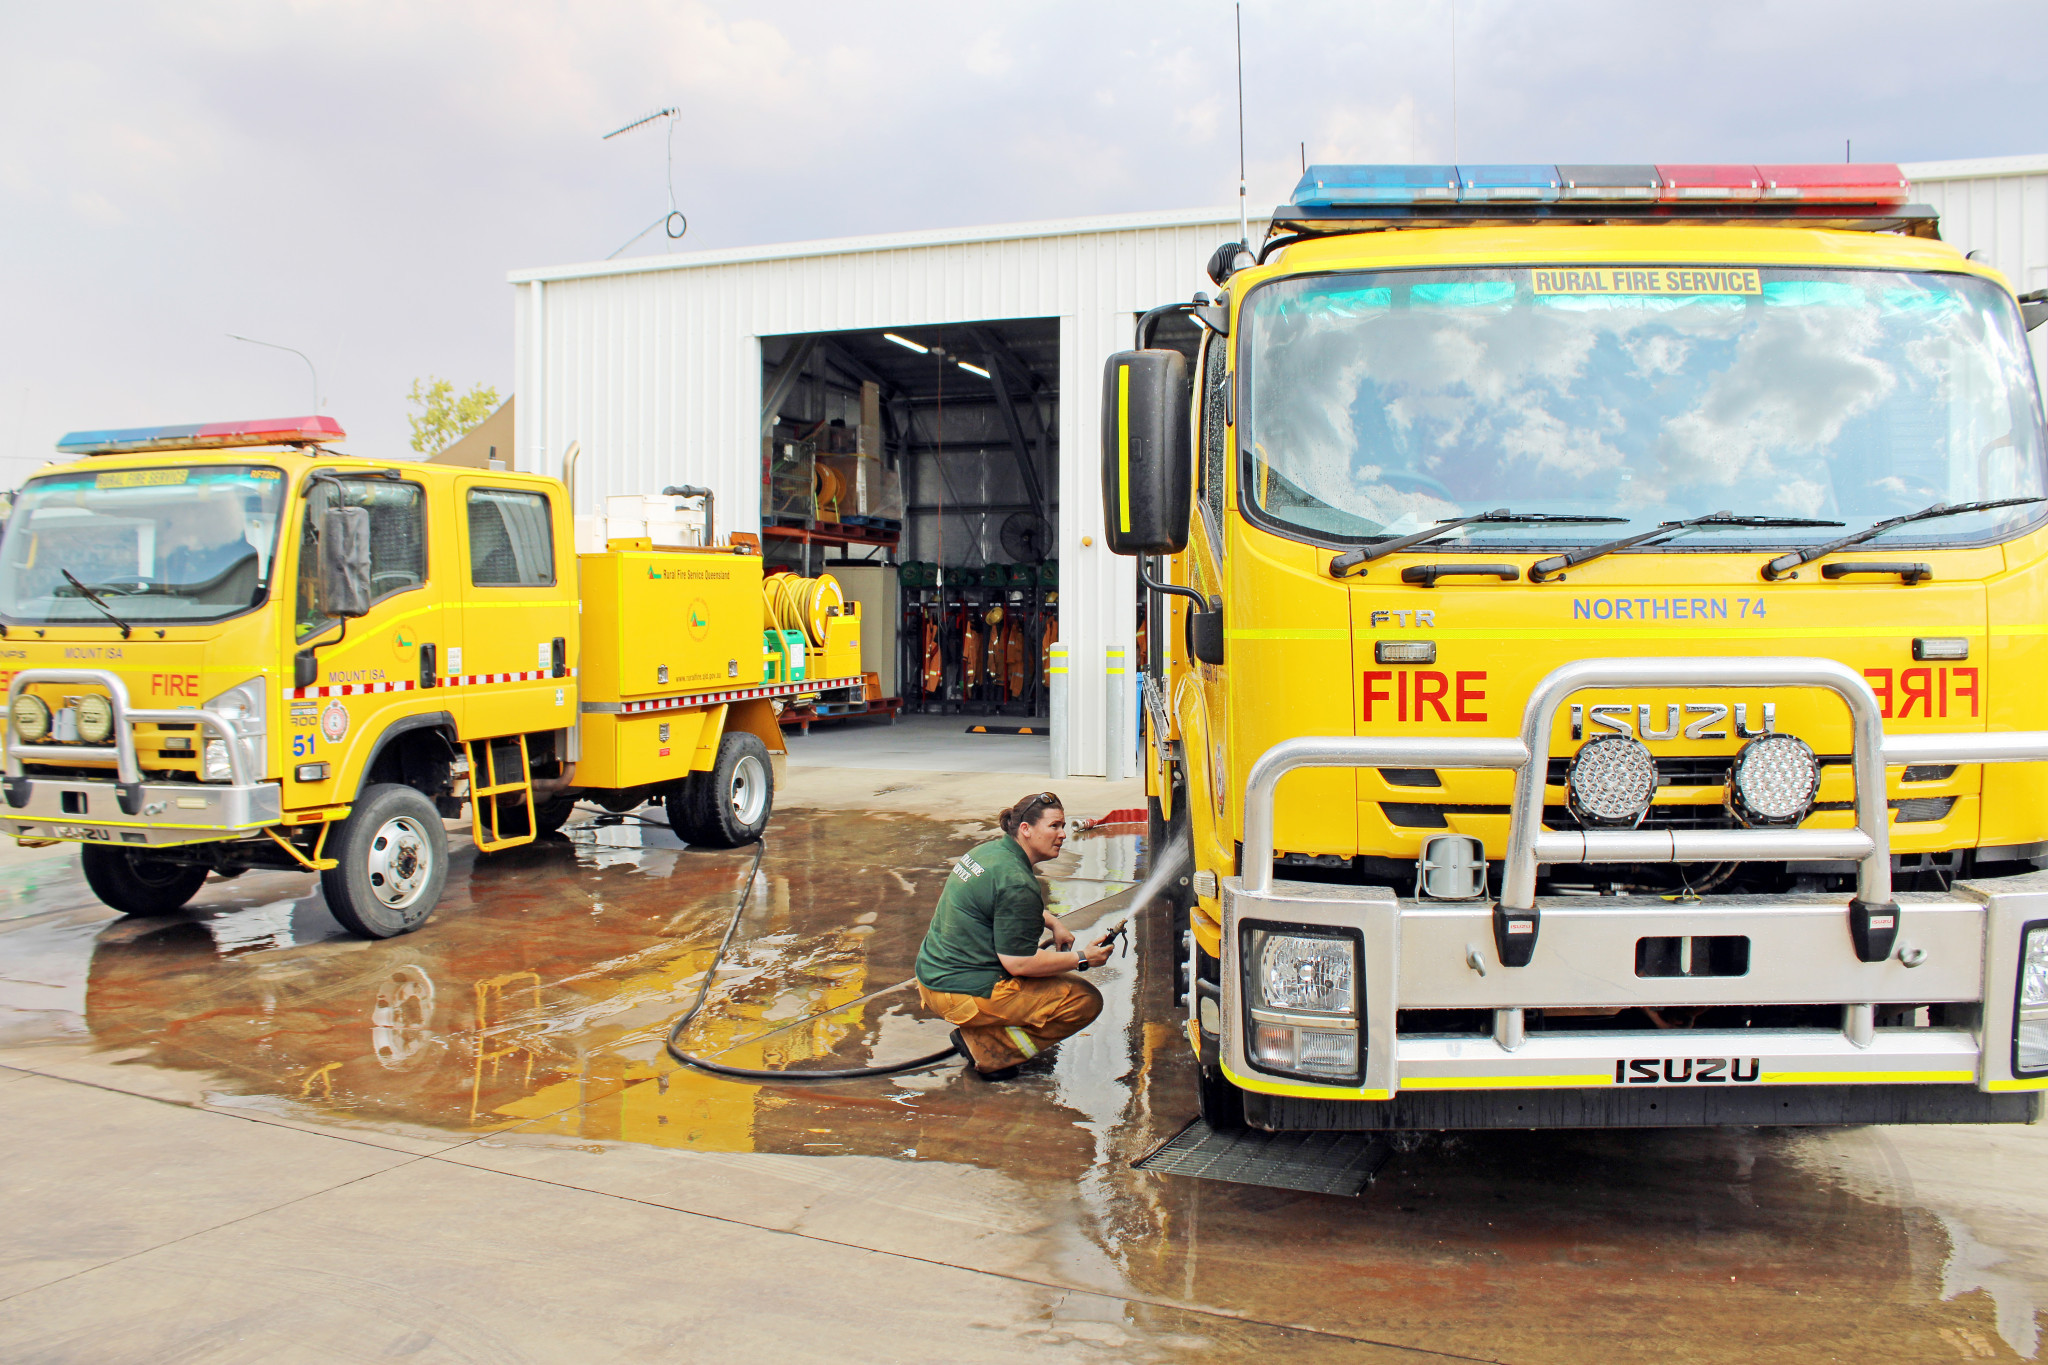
{"x": 801, "y": 718}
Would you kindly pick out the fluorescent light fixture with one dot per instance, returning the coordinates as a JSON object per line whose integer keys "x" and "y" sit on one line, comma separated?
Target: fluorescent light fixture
{"x": 972, "y": 369}
{"x": 906, "y": 342}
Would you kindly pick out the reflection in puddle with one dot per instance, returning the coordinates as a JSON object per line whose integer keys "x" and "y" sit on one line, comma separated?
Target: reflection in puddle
{"x": 259, "y": 926}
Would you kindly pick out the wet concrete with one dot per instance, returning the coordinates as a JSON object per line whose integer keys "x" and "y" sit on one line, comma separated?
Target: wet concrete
{"x": 519, "y": 1035}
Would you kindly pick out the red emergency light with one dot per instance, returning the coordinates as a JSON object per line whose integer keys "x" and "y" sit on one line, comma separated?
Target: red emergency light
{"x": 274, "y": 431}
{"x": 1835, "y": 183}
{"x": 1683, "y": 184}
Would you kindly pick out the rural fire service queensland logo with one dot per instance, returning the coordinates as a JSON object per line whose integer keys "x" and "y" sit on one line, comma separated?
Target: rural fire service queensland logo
{"x": 700, "y": 619}
{"x": 334, "y": 722}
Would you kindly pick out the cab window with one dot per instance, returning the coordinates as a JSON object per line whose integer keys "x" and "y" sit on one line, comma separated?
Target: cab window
{"x": 1215, "y": 386}
{"x": 398, "y": 541}
{"x": 511, "y": 539}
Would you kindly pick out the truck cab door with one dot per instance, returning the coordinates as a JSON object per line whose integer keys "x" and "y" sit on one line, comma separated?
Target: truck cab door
{"x": 519, "y": 607}
{"x": 347, "y": 680}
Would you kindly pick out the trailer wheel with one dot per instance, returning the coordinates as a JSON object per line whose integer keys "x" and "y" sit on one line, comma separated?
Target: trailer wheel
{"x": 134, "y": 883}
{"x": 729, "y": 805}
{"x": 392, "y": 856}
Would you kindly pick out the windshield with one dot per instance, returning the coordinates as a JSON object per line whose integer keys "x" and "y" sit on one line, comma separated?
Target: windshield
{"x": 1379, "y": 403}
{"x": 154, "y": 545}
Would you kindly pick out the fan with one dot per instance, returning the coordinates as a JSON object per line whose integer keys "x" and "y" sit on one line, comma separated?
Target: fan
{"x": 1026, "y": 537}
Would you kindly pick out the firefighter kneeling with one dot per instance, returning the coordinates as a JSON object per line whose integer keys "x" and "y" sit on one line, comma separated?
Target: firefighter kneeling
{"x": 981, "y": 967}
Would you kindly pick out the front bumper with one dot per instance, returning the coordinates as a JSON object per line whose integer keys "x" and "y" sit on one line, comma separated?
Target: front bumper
{"x": 1437, "y": 955}
{"x": 125, "y": 809}
{"x": 153, "y": 814}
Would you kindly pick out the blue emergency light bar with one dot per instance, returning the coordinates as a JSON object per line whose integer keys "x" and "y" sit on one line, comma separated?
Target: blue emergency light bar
{"x": 276, "y": 431}
{"x": 1869, "y": 196}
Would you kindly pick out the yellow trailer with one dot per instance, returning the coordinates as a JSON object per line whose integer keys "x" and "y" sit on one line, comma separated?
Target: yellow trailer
{"x": 228, "y": 647}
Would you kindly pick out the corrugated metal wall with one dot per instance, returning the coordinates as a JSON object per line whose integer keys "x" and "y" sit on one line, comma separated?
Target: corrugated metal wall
{"x": 1998, "y": 206}
{"x": 655, "y": 367}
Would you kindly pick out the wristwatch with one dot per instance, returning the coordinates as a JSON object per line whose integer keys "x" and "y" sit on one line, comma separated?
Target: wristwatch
{"x": 1080, "y": 960}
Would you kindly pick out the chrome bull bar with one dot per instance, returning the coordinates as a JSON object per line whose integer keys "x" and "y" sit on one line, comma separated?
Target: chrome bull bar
{"x": 1873, "y": 917}
{"x": 126, "y": 716}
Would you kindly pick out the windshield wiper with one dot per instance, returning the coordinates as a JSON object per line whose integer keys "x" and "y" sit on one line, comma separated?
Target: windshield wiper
{"x": 1543, "y": 570}
{"x": 1351, "y": 559}
{"x": 89, "y": 595}
{"x": 1791, "y": 560}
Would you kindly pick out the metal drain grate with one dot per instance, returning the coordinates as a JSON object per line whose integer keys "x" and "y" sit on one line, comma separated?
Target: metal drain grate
{"x": 1320, "y": 1163}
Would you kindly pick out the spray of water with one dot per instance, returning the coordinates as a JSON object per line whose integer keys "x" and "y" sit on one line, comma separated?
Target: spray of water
{"x": 1171, "y": 861}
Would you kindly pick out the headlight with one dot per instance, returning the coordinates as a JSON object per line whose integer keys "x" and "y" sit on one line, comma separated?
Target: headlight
{"x": 95, "y": 718}
{"x": 2030, "y": 1051}
{"x": 1611, "y": 781}
{"x": 243, "y": 707}
{"x": 1296, "y": 973}
{"x": 1773, "y": 781}
{"x": 31, "y": 718}
{"x": 214, "y": 767}
{"x": 2034, "y": 969}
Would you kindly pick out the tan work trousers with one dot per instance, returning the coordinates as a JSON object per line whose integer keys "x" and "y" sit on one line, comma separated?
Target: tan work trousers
{"x": 1020, "y": 1018}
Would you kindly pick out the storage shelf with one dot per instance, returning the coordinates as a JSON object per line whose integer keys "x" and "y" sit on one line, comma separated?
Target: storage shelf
{"x": 832, "y": 533}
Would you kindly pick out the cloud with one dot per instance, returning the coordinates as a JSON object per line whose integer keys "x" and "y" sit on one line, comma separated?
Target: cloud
{"x": 355, "y": 177}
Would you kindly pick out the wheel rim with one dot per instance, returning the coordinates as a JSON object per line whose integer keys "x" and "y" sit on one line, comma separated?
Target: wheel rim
{"x": 749, "y": 790}
{"x": 400, "y": 862}
{"x": 402, "y": 1017}
{"x": 155, "y": 873}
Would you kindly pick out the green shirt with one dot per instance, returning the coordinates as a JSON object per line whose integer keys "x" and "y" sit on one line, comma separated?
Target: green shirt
{"x": 992, "y": 904}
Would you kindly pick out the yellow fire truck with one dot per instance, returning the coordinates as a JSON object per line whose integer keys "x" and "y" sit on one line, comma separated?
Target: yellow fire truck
{"x": 227, "y": 647}
{"x": 1596, "y": 653}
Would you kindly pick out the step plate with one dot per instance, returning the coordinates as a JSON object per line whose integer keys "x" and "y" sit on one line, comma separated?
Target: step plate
{"x": 1318, "y": 1163}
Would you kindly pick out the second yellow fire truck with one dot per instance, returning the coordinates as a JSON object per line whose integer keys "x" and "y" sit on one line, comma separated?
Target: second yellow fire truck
{"x": 229, "y": 647}
{"x": 1598, "y": 629}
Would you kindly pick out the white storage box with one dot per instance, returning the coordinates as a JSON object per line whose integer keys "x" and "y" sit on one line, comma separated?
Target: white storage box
{"x": 671, "y": 523}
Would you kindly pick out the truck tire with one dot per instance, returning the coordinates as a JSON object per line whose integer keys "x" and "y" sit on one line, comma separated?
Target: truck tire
{"x": 549, "y": 816}
{"x": 729, "y": 805}
{"x": 392, "y": 859}
{"x": 1220, "y": 1103}
{"x": 134, "y": 883}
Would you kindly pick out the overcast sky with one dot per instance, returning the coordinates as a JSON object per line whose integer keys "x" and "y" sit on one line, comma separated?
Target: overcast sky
{"x": 355, "y": 179}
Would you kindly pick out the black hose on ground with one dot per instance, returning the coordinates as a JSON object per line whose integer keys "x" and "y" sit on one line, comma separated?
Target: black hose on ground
{"x": 743, "y": 1073}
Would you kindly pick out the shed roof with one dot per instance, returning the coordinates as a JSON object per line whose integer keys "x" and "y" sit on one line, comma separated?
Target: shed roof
{"x": 887, "y": 241}
{"x": 1976, "y": 169}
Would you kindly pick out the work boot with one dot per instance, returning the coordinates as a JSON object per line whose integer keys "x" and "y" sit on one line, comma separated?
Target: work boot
{"x": 1000, "y": 1074}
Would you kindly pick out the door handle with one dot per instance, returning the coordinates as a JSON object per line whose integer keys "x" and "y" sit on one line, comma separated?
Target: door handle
{"x": 429, "y": 665}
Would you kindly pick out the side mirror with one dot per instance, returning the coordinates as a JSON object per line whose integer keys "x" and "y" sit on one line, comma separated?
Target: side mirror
{"x": 1147, "y": 464}
{"x": 2034, "y": 308}
{"x": 345, "y": 562}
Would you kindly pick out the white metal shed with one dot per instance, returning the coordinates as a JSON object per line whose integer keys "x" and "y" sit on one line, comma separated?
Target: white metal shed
{"x": 654, "y": 364}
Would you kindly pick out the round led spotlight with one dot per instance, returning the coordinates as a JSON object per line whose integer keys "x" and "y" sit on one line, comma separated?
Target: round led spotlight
{"x": 1773, "y": 781}
{"x": 31, "y": 718}
{"x": 95, "y": 718}
{"x": 1611, "y": 781}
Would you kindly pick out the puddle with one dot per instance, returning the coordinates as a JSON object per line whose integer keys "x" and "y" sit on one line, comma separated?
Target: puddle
{"x": 530, "y": 1014}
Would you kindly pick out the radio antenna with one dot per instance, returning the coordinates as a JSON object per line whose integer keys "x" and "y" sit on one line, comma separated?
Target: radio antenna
{"x": 1244, "y": 229}
{"x": 674, "y": 221}
{"x": 670, "y": 112}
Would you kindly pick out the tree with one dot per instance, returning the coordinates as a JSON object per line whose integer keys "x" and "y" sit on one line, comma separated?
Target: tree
{"x": 442, "y": 417}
